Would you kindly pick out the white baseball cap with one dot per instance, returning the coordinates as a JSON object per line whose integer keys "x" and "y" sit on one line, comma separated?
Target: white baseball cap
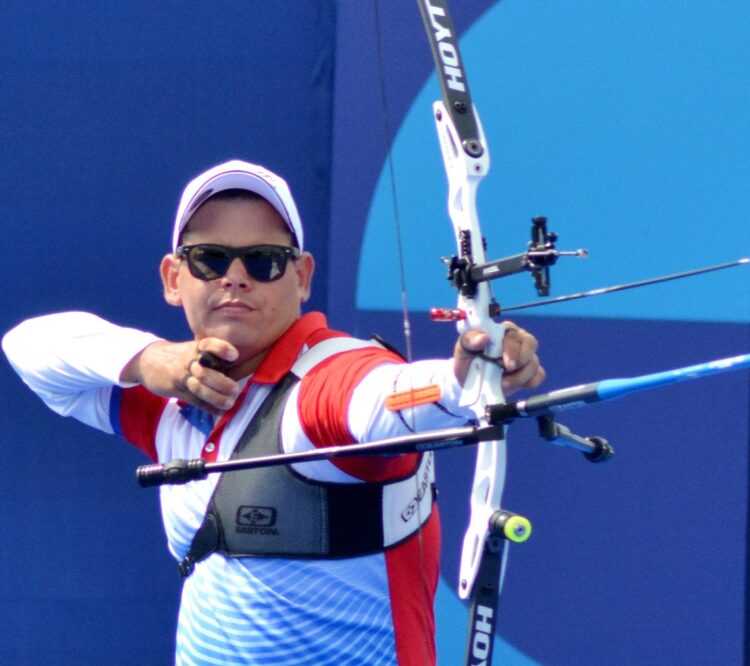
{"x": 238, "y": 175}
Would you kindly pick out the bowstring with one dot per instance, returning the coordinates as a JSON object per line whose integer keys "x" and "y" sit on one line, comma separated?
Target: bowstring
{"x": 406, "y": 319}
{"x": 394, "y": 196}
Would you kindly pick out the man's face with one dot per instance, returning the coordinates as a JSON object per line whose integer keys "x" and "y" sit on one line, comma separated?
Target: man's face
{"x": 249, "y": 314}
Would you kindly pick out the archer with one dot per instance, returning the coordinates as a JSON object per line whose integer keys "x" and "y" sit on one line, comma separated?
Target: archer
{"x": 317, "y": 563}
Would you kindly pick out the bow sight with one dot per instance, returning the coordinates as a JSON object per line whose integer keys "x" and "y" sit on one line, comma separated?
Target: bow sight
{"x": 464, "y": 274}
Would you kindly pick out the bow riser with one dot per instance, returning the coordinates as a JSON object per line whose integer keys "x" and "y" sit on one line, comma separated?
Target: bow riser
{"x": 483, "y": 382}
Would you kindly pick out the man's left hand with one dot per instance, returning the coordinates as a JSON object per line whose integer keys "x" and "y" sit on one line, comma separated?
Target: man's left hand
{"x": 522, "y": 368}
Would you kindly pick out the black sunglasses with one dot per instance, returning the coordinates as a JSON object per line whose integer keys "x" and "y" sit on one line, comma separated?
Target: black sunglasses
{"x": 264, "y": 263}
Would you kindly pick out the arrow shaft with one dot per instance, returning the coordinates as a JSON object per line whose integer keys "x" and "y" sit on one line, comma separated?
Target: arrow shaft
{"x": 630, "y": 285}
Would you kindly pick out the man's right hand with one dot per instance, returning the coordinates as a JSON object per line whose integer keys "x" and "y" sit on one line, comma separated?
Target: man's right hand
{"x": 173, "y": 370}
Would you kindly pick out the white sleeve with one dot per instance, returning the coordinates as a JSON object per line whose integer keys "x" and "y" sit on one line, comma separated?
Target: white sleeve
{"x": 72, "y": 360}
{"x": 369, "y": 418}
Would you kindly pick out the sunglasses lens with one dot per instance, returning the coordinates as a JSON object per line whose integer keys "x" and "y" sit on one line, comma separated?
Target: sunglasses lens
{"x": 265, "y": 266}
{"x": 207, "y": 262}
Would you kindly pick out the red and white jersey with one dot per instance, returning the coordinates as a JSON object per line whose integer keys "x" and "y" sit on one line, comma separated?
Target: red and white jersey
{"x": 375, "y": 609}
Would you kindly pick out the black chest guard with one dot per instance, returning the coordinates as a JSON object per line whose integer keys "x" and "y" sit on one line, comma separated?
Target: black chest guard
{"x": 275, "y": 512}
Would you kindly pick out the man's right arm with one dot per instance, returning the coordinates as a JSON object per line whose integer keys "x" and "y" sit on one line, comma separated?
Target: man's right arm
{"x": 72, "y": 360}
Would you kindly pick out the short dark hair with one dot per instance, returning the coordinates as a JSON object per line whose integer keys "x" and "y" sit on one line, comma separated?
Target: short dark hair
{"x": 234, "y": 195}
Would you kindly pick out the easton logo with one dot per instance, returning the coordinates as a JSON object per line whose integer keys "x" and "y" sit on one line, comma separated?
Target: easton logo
{"x": 446, "y": 47}
{"x": 256, "y": 520}
{"x": 413, "y": 506}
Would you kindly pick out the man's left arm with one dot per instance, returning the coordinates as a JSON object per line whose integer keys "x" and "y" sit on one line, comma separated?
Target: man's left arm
{"x": 392, "y": 400}
{"x": 367, "y": 394}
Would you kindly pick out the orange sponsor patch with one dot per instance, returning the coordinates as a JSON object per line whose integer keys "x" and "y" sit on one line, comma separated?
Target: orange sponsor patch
{"x": 413, "y": 398}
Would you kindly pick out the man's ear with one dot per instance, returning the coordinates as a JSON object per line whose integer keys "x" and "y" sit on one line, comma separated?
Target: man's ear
{"x": 305, "y": 267}
{"x": 168, "y": 269}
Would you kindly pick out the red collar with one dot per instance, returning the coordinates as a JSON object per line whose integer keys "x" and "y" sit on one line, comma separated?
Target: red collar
{"x": 309, "y": 329}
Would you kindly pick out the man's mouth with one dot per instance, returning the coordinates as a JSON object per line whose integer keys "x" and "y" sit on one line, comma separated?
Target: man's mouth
{"x": 234, "y": 306}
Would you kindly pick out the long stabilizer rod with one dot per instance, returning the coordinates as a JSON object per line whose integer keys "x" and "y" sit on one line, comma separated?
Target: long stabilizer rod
{"x": 609, "y": 389}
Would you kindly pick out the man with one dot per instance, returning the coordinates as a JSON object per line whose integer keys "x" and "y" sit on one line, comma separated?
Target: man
{"x": 319, "y": 564}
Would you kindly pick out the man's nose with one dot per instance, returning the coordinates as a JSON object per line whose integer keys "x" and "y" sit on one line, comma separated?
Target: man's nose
{"x": 236, "y": 275}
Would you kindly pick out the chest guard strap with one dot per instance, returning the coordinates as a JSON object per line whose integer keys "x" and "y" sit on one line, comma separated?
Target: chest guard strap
{"x": 276, "y": 512}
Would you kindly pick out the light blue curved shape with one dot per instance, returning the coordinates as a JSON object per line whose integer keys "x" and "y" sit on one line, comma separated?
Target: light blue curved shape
{"x": 450, "y": 628}
{"x": 625, "y": 123}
